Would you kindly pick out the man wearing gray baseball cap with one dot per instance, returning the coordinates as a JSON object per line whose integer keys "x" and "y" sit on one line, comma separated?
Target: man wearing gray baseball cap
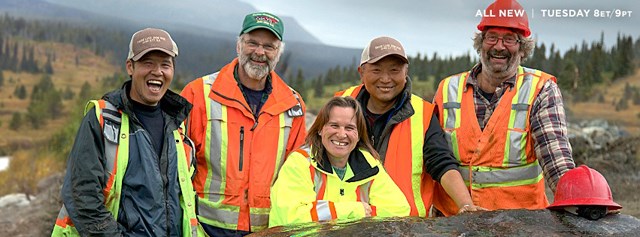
{"x": 129, "y": 171}
{"x": 403, "y": 130}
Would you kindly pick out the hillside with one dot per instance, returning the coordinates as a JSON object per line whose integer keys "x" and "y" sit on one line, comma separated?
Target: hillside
{"x": 628, "y": 119}
{"x": 68, "y": 74}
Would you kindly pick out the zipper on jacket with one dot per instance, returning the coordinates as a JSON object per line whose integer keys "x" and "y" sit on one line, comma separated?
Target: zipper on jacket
{"x": 241, "y": 148}
{"x": 373, "y": 140}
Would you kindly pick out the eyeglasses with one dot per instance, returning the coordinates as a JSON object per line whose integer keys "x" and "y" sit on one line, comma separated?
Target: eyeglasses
{"x": 506, "y": 40}
{"x": 253, "y": 45}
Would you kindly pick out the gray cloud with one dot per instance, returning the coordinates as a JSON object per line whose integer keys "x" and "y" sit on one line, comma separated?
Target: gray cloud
{"x": 446, "y": 27}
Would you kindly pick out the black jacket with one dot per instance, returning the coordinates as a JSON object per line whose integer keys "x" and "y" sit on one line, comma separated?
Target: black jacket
{"x": 150, "y": 195}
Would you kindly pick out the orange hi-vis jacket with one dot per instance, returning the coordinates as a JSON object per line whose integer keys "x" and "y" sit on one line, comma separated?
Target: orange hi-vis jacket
{"x": 499, "y": 163}
{"x": 403, "y": 157}
{"x": 239, "y": 155}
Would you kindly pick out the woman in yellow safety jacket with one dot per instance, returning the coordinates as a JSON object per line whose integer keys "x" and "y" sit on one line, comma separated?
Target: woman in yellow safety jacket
{"x": 329, "y": 178}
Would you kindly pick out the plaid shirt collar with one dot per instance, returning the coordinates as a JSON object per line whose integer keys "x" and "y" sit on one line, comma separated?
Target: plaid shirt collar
{"x": 473, "y": 79}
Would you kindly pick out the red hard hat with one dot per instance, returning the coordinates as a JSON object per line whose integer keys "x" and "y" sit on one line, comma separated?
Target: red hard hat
{"x": 583, "y": 186}
{"x": 505, "y": 13}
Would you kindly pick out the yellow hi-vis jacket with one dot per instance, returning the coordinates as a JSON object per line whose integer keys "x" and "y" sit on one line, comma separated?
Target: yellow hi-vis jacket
{"x": 305, "y": 191}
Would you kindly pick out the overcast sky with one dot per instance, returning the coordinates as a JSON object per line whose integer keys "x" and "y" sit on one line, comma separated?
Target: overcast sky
{"x": 446, "y": 26}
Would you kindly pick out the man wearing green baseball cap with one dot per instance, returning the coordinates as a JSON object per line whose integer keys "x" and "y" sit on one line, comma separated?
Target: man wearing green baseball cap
{"x": 245, "y": 121}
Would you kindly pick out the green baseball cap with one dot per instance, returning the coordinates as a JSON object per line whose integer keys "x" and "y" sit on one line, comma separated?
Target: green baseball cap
{"x": 263, "y": 20}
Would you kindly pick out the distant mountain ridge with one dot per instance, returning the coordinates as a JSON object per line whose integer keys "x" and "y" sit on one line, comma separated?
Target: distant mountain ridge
{"x": 205, "y": 31}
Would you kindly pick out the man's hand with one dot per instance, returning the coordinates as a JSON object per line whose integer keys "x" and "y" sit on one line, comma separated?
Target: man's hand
{"x": 471, "y": 208}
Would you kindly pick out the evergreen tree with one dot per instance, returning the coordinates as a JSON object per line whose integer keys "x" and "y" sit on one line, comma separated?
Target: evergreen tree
{"x": 16, "y": 121}
{"x": 298, "y": 83}
{"x": 318, "y": 87}
{"x": 48, "y": 68}
{"x": 623, "y": 57}
{"x": 20, "y": 92}
{"x": 68, "y": 93}
{"x": 85, "y": 91}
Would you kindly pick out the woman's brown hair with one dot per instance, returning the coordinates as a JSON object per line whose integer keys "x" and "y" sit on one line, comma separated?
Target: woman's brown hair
{"x": 314, "y": 140}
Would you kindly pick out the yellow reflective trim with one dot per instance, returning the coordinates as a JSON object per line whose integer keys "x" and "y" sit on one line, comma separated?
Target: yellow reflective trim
{"x": 224, "y": 143}
{"x": 207, "y": 136}
{"x": 461, "y": 85}
{"x": 523, "y": 147}
{"x": 454, "y": 145}
{"x": 445, "y": 98}
{"x": 348, "y": 91}
{"x": 280, "y": 150}
{"x": 502, "y": 177}
{"x": 507, "y": 184}
{"x": 417, "y": 141}
{"x": 91, "y": 104}
{"x": 514, "y": 100}
{"x": 512, "y": 117}
{"x": 227, "y": 214}
{"x": 534, "y": 85}
{"x": 122, "y": 162}
{"x": 186, "y": 187}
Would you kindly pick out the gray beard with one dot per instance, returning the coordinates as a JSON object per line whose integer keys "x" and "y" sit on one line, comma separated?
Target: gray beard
{"x": 256, "y": 71}
{"x": 502, "y": 72}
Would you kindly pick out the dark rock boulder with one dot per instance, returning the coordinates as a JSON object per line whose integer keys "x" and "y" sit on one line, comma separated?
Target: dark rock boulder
{"x": 495, "y": 223}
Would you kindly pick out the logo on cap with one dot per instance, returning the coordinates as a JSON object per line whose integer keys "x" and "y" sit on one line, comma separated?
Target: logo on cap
{"x": 151, "y": 39}
{"x": 381, "y": 47}
{"x": 263, "y": 20}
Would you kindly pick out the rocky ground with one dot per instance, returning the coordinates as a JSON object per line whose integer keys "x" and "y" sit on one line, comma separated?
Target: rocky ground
{"x": 496, "y": 223}
{"x": 617, "y": 158}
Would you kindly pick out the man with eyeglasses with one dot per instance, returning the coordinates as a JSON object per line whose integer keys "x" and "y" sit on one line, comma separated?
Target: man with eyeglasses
{"x": 504, "y": 122}
{"x": 244, "y": 122}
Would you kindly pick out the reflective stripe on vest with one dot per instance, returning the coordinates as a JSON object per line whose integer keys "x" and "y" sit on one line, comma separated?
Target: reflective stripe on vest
{"x": 324, "y": 210}
{"x": 451, "y": 99}
{"x": 116, "y": 142}
{"x": 224, "y": 215}
{"x": 417, "y": 142}
{"x": 515, "y": 170}
{"x": 116, "y": 145}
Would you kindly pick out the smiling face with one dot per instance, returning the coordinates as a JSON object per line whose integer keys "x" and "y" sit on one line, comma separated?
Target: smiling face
{"x": 498, "y": 60}
{"x": 151, "y": 76}
{"x": 340, "y": 135}
{"x": 384, "y": 80}
{"x": 258, "y": 53}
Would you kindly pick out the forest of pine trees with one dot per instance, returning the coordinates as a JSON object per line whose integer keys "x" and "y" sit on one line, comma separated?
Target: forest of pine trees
{"x": 578, "y": 69}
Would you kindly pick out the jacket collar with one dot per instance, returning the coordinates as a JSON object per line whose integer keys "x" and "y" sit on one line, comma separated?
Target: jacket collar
{"x": 358, "y": 163}
{"x": 473, "y": 78}
{"x": 401, "y": 109}
{"x": 225, "y": 90}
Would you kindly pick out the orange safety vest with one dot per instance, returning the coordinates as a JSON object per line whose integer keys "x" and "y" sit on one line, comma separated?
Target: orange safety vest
{"x": 499, "y": 163}
{"x": 404, "y": 160}
{"x": 238, "y": 155}
{"x": 116, "y": 143}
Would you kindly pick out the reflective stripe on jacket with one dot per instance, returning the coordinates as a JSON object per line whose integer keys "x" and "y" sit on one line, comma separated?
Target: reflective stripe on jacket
{"x": 115, "y": 127}
{"x": 305, "y": 191}
{"x": 498, "y": 164}
{"x": 407, "y": 140}
{"x": 239, "y": 155}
